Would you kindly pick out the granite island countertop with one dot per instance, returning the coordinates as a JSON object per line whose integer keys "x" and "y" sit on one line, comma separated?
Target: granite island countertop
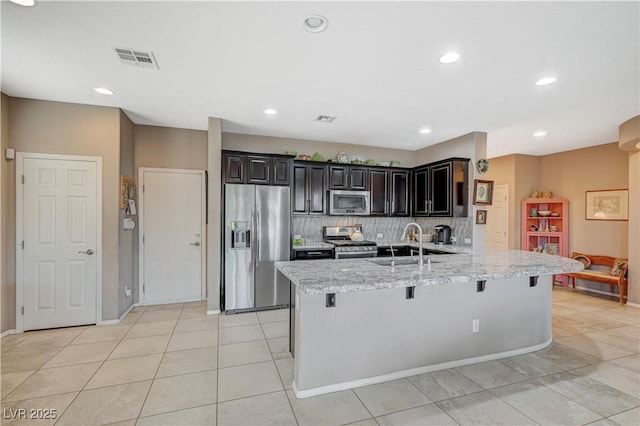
{"x": 347, "y": 275}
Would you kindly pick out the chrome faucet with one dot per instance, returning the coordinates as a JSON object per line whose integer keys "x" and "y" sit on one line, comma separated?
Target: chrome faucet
{"x": 404, "y": 234}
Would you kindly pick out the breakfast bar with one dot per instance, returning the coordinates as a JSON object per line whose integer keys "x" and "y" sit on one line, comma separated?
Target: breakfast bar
{"x": 362, "y": 321}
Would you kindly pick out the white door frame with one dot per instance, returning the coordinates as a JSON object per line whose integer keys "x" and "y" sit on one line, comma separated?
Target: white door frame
{"x": 20, "y": 157}
{"x": 203, "y": 231}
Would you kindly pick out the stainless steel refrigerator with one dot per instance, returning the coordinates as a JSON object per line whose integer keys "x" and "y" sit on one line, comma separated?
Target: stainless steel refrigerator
{"x": 257, "y": 222}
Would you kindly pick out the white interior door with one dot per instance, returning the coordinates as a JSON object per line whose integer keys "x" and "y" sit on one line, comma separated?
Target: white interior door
{"x": 172, "y": 235}
{"x": 497, "y": 231}
{"x": 59, "y": 248}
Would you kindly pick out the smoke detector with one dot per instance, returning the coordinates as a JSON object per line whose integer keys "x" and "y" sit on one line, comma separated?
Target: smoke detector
{"x": 325, "y": 118}
{"x": 136, "y": 57}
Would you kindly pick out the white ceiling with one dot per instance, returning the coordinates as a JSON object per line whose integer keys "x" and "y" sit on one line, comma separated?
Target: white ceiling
{"x": 376, "y": 67}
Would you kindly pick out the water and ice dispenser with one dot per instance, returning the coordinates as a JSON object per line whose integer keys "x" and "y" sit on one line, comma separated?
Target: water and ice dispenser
{"x": 240, "y": 235}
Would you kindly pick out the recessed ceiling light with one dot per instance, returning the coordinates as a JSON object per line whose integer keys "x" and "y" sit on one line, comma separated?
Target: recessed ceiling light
{"x": 546, "y": 81}
{"x": 425, "y": 131}
{"x": 104, "y": 91}
{"x": 540, "y": 133}
{"x": 315, "y": 23}
{"x": 449, "y": 57}
{"x": 26, "y": 3}
{"x": 270, "y": 111}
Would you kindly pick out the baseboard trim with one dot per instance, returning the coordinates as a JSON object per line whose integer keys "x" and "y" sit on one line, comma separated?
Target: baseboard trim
{"x": 127, "y": 312}
{"x": 412, "y": 372}
{"x": 213, "y": 311}
{"x": 8, "y": 332}
{"x": 109, "y": 322}
{"x": 592, "y": 290}
{"x": 633, "y": 305}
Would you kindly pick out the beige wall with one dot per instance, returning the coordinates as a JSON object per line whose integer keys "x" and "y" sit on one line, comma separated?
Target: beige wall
{"x": 127, "y": 243}
{"x": 170, "y": 148}
{"x": 634, "y": 229}
{"x": 569, "y": 174}
{"x": 214, "y": 233}
{"x": 61, "y": 128}
{"x": 7, "y": 236}
{"x": 329, "y": 150}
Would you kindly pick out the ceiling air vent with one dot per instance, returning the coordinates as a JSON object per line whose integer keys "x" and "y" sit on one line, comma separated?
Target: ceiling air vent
{"x": 136, "y": 57}
{"x": 325, "y": 118}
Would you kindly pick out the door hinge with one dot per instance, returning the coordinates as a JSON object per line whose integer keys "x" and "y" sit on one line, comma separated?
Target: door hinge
{"x": 143, "y": 239}
{"x": 22, "y": 179}
{"x": 22, "y": 245}
{"x": 143, "y": 288}
{"x": 143, "y": 189}
{"x": 23, "y": 310}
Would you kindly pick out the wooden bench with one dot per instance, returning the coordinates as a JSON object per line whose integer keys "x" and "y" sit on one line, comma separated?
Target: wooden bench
{"x": 602, "y": 274}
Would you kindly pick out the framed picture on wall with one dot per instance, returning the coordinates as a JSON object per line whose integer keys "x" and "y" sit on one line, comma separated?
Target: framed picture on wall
{"x": 127, "y": 191}
{"x": 611, "y": 204}
{"x": 481, "y": 217}
{"x": 482, "y": 192}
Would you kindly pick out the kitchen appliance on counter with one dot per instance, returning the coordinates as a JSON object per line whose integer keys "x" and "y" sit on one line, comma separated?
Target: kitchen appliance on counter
{"x": 442, "y": 234}
{"x": 349, "y": 203}
{"x": 257, "y": 223}
{"x": 344, "y": 246}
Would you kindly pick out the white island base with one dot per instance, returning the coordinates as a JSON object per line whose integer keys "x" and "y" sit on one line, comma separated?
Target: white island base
{"x": 379, "y": 335}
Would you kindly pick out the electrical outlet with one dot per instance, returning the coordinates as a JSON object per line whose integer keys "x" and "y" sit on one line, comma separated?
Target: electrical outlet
{"x": 454, "y": 239}
{"x": 467, "y": 240}
{"x": 475, "y": 326}
{"x": 380, "y": 236}
{"x": 127, "y": 291}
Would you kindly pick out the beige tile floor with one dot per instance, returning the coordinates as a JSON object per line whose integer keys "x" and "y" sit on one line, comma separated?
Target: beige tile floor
{"x": 175, "y": 365}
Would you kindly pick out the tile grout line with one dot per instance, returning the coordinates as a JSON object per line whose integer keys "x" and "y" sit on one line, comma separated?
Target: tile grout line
{"x": 92, "y": 376}
{"x": 218, "y": 372}
{"x": 284, "y": 387}
{"x": 153, "y": 379}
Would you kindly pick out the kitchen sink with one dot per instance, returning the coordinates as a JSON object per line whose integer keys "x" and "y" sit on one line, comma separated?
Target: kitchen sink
{"x": 386, "y": 261}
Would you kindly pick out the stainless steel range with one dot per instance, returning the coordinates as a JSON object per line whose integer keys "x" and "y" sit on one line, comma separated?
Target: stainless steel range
{"x": 344, "y": 246}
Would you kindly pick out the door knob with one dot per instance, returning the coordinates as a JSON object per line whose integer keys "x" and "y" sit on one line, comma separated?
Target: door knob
{"x": 197, "y": 244}
{"x": 89, "y": 252}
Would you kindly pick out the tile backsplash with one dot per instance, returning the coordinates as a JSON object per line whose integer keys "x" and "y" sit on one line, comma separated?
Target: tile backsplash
{"x": 310, "y": 228}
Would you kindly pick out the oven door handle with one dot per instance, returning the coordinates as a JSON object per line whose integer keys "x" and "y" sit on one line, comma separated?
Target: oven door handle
{"x": 355, "y": 254}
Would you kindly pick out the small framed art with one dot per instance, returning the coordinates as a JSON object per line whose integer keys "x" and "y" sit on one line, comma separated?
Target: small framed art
{"x": 482, "y": 192}
{"x": 481, "y": 217}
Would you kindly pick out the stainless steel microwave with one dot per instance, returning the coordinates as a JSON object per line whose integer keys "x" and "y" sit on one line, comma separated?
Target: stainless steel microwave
{"x": 349, "y": 203}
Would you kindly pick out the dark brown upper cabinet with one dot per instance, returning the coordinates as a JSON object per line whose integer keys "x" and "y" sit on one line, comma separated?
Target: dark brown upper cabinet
{"x": 256, "y": 169}
{"x": 441, "y": 189}
{"x": 389, "y": 192}
{"x": 308, "y": 189}
{"x": 348, "y": 178}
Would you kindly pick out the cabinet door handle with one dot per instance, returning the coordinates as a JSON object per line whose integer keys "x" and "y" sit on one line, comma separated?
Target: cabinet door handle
{"x": 309, "y": 205}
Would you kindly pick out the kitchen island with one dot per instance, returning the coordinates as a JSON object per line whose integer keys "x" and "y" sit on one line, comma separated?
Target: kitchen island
{"x": 359, "y": 322}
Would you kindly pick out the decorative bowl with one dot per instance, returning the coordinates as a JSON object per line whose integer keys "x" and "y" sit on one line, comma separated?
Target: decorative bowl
{"x": 534, "y": 228}
{"x": 384, "y": 163}
{"x": 395, "y": 163}
{"x": 371, "y": 162}
{"x": 544, "y": 213}
{"x": 554, "y": 214}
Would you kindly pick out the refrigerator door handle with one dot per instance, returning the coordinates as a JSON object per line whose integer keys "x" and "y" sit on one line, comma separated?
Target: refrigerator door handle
{"x": 258, "y": 226}
{"x": 254, "y": 238}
